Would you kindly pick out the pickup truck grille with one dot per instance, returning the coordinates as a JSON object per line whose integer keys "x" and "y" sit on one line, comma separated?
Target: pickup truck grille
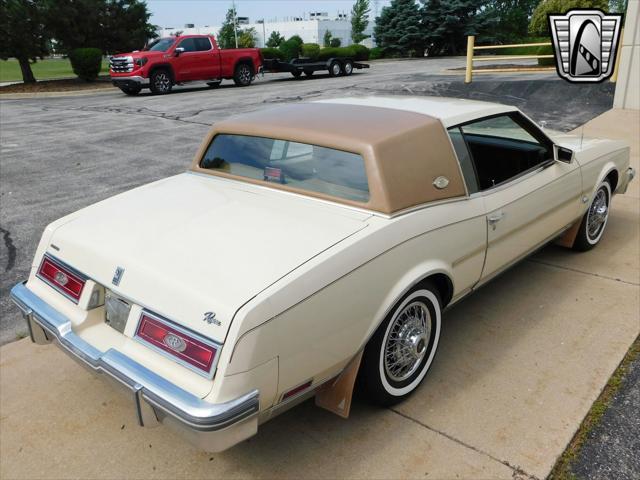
{"x": 121, "y": 64}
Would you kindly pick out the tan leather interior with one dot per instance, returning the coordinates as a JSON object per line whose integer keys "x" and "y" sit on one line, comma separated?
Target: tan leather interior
{"x": 404, "y": 152}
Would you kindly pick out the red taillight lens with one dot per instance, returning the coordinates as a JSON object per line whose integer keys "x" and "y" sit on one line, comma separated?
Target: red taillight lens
{"x": 179, "y": 344}
{"x": 61, "y": 278}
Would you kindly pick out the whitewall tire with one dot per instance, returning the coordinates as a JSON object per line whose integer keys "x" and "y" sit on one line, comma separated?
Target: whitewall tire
{"x": 595, "y": 219}
{"x": 401, "y": 351}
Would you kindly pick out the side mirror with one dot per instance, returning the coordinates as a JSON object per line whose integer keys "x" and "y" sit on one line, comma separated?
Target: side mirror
{"x": 562, "y": 154}
{"x": 178, "y": 51}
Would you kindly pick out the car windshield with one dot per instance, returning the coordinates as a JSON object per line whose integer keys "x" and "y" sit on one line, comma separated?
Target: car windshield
{"x": 160, "y": 45}
{"x": 297, "y": 165}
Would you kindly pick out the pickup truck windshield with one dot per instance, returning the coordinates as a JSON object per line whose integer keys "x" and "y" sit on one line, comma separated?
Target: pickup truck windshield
{"x": 297, "y": 165}
{"x": 160, "y": 45}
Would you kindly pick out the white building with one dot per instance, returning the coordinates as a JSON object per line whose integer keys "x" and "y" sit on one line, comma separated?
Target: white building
{"x": 311, "y": 28}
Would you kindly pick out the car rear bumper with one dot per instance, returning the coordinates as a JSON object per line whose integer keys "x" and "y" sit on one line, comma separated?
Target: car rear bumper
{"x": 133, "y": 81}
{"x": 211, "y": 427}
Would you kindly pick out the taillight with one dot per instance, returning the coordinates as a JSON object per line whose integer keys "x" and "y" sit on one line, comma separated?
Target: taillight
{"x": 62, "y": 278}
{"x": 177, "y": 342}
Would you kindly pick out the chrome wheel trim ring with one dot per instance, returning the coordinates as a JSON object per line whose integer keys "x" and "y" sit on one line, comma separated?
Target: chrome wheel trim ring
{"x": 336, "y": 68}
{"x": 407, "y": 341}
{"x": 597, "y": 215}
{"x": 348, "y": 68}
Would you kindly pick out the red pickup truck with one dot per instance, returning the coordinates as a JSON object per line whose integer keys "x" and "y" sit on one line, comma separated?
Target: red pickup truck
{"x": 176, "y": 60}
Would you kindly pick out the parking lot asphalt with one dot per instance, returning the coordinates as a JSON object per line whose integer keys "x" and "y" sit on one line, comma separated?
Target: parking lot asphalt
{"x": 520, "y": 363}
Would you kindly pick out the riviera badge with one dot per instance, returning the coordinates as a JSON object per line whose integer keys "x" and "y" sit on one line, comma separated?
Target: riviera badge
{"x": 585, "y": 44}
{"x": 210, "y": 318}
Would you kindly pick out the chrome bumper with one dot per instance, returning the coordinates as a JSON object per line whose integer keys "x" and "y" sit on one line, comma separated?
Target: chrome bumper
{"x": 630, "y": 175}
{"x": 211, "y": 427}
{"x": 133, "y": 79}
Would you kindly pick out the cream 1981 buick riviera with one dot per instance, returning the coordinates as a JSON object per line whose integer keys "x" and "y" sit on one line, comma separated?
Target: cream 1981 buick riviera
{"x": 305, "y": 241}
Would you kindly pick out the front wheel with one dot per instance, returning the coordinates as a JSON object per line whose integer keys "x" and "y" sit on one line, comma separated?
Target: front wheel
{"x": 399, "y": 354}
{"x": 160, "y": 82}
{"x": 595, "y": 219}
{"x": 335, "y": 69}
{"x": 243, "y": 75}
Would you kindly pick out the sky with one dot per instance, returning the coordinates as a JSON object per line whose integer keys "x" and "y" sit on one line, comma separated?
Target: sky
{"x": 175, "y": 13}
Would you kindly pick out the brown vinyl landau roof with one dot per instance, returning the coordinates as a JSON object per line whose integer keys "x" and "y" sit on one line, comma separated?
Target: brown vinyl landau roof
{"x": 404, "y": 152}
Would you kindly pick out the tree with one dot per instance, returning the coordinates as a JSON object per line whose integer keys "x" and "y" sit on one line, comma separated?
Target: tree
{"x": 511, "y": 19}
{"x": 618, "y": 6}
{"x": 23, "y": 34}
{"x": 228, "y": 31}
{"x": 539, "y": 24}
{"x": 247, "y": 38}
{"x": 398, "y": 29}
{"x": 275, "y": 40}
{"x": 111, "y": 25}
{"x": 359, "y": 20}
{"x": 447, "y": 23}
{"x": 335, "y": 42}
{"x": 326, "y": 40}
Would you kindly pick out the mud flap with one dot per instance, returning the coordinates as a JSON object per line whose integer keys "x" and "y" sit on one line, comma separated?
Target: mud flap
{"x": 569, "y": 237}
{"x": 336, "y": 395}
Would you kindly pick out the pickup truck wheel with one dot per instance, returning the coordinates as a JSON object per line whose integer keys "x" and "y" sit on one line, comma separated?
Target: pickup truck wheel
{"x": 243, "y": 75}
{"x": 131, "y": 90}
{"x": 335, "y": 69}
{"x": 160, "y": 82}
{"x": 347, "y": 68}
{"x": 595, "y": 219}
{"x": 399, "y": 354}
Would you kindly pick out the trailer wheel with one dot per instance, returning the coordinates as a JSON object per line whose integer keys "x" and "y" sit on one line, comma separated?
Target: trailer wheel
{"x": 296, "y": 73}
{"x": 335, "y": 69}
{"x": 347, "y": 68}
{"x": 308, "y": 72}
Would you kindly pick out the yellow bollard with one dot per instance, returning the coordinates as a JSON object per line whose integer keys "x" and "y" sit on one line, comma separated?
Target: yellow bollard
{"x": 469, "y": 73}
{"x": 614, "y": 77}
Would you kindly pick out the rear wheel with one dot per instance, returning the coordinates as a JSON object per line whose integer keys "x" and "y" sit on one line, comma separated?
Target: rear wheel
{"x": 595, "y": 219}
{"x": 399, "y": 354}
{"x": 347, "y": 68}
{"x": 131, "y": 90}
{"x": 243, "y": 75}
{"x": 335, "y": 69}
{"x": 160, "y": 82}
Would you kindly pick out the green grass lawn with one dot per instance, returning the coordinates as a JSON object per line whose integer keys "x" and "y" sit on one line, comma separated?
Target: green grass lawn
{"x": 43, "y": 69}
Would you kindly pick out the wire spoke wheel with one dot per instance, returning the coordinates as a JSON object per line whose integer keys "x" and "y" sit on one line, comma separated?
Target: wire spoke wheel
{"x": 407, "y": 342}
{"x": 597, "y": 214}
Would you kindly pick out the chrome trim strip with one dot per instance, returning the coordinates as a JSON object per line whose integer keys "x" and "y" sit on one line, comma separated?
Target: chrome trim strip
{"x": 190, "y": 410}
{"x": 134, "y": 78}
{"x": 185, "y": 331}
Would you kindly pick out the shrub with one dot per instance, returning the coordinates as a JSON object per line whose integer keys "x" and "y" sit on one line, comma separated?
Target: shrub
{"x": 330, "y": 52}
{"x": 290, "y": 49}
{"x": 272, "y": 53}
{"x": 297, "y": 39}
{"x": 86, "y": 63}
{"x": 522, "y": 50}
{"x": 335, "y": 42}
{"x": 311, "y": 50}
{"x": 375, "y": 53}
{"x": 546, "y": 50}
{"x": 360, "y": 52}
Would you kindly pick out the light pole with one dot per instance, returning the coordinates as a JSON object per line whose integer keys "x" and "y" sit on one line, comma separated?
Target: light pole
{"x": 235, "y": 22}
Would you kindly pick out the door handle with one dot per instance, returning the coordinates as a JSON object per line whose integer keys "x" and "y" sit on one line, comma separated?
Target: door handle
{"x": 495, "y": 217}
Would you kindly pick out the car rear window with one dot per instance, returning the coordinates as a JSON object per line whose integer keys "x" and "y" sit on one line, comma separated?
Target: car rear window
{"x": 297, "y": 165}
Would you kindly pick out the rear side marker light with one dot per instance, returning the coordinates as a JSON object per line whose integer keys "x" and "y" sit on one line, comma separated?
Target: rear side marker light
{"x": 189, "y": 350}
{"x": 61, "y": 277}
{"x": 296, "y": 390}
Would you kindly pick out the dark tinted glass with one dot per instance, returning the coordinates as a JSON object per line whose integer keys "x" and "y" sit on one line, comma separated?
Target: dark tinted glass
{"x": 202, "y": 44}
{"x": 298, "y": 165}
{"x": 189, "y": 44}
{"x": 160, "y": 45}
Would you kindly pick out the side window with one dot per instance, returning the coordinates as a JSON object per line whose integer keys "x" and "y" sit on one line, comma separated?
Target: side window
{"x": 202, "y": 44}
{"x": 504, "y": 147}
{"x": 188, "y": 44}
{"x": 464, "y": 157}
